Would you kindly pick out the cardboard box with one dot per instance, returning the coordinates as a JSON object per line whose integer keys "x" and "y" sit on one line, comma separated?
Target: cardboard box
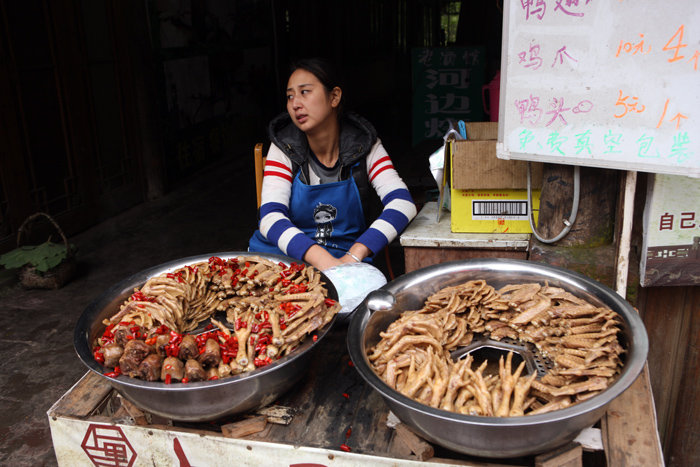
{"x": 475, "y": 165}
{"x": 492, "y": 211}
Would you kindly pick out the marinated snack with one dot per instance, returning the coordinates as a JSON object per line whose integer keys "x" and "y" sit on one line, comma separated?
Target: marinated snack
{"x": 270, "y": 309}
{"x": 579, "y": 340}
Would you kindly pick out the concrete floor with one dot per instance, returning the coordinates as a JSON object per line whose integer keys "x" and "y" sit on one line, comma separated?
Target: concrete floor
{"x": 211, "y": 213}
{"x": 215, "y": 211}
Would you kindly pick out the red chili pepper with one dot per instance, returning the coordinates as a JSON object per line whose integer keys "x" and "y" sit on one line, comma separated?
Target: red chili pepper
{"x": 213, "y": 378}
{"x": 314, "y": 338}
{"x": 168, "y": 378}
{"x": 255, "y": 328}
{"x": 350, "y": 363}
{"x": 108, "y": 332}
{"x": 175, "y": 338}
{"x": 266, "y": 339}
{"x": 346, "y": 395}
{"x": 99, "y": 356}
{"x": 232, "y": 342}
{"x": 345, "y": 447}
{"x": 113, "y": 374}
{"x": 329, "y": 302}
{"x": 172, "y": 350}
{"x": 348, "y": 433}
{"x": 184, "y": 380}
{"x": 151, "y": 340}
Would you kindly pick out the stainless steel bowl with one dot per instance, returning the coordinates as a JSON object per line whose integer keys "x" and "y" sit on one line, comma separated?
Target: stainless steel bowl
{"x": 204, "y": 400}
{"x": 491, "y": 436}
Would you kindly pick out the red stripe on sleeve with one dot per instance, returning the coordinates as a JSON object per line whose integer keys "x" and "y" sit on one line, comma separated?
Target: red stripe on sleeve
{"x": 279, "y": 165}
{"x": 374, "y": 166}
{"x": 386, "y": 167}
{"x": 285, "y": 176}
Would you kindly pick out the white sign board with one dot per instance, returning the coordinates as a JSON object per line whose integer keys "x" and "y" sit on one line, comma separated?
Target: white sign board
{"x": 612, "y": 84}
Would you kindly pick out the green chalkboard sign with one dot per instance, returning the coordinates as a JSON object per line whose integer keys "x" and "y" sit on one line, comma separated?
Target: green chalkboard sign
{"x": 447, "y": 84}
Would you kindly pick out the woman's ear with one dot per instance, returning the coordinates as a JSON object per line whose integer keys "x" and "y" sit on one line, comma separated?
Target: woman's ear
{"x": 336, "y": 96}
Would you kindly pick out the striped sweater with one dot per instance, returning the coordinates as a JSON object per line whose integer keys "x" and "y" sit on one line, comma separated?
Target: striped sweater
{"x": 276, "y": 226}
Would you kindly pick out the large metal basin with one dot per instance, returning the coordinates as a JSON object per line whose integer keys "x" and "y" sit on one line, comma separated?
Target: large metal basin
{"x": 491, "y": 436}
{"x": 204, "y": 400}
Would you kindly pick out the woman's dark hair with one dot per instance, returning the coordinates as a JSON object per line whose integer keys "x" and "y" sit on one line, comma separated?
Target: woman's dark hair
{"x": 321, "y": 69}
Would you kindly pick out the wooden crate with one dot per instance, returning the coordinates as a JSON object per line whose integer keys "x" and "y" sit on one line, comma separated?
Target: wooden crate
{"x": 94, "y": 425}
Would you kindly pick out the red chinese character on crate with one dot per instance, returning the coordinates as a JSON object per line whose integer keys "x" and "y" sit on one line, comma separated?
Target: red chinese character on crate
{"x": 180, "y": 453}
{"x": 106, "y": 445}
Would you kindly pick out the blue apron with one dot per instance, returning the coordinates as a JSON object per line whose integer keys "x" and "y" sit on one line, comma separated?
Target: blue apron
{"x": 331, "y": 214}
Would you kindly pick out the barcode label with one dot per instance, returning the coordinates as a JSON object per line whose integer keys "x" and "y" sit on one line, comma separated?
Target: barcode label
{"x": 493, "y": 210}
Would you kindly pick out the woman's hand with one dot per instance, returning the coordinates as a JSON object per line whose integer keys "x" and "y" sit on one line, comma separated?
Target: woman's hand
{"x": 318, "y": 257}
{"x": 357, "y": 250}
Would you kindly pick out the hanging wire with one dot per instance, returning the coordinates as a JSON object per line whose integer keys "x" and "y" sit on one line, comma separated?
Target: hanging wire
{"x": 574, "y": 208}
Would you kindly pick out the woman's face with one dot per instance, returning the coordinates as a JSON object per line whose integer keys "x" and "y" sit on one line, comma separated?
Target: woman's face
{"x": 308, "y": 102}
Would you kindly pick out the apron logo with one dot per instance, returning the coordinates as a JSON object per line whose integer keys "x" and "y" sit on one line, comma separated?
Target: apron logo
{"x": 324, "y": 214}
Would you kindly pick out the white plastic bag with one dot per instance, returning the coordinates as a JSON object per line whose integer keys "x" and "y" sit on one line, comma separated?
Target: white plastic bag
{"x": 353, "y": 281}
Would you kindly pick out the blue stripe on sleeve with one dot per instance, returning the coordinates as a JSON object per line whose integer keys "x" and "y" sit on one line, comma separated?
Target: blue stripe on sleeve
{"x": 373, "y": 239}
{"x": 400, "y": 193}
{"x": 277, "y": 229}
{"x": 397, "y": 219}
{"x": 267, "y": 208}
{"x": 298, "y": 245}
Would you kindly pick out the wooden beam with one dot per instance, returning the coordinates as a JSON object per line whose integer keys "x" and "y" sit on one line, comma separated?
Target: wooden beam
{"x": 569, "y": 455}
{"x": 630, "y": 434}
{"x": 244, "y": 427}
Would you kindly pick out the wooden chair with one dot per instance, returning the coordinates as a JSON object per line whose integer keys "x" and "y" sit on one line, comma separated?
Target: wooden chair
{"x": 259, "y": 171}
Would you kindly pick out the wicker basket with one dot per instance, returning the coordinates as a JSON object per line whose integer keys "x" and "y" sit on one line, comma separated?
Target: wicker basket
{"x": 55, "y": 277}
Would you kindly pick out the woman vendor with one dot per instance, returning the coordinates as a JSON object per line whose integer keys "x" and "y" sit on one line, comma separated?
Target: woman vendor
{"x": 318, "y": 169}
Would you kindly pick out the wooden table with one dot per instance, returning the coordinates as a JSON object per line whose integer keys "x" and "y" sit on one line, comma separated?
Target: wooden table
{"x": 332, "y": 406}
{"x": 427, "y": 241}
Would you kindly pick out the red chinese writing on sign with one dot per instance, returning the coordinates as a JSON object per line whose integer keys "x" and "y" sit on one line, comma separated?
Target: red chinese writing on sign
{"x": 536, "y": 9}
{"x": 686, "y": 221}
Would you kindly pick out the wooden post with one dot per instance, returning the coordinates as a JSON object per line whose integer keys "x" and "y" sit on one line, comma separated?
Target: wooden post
{"x": 588, "y": 248}
{"x": 625, "y": 236}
